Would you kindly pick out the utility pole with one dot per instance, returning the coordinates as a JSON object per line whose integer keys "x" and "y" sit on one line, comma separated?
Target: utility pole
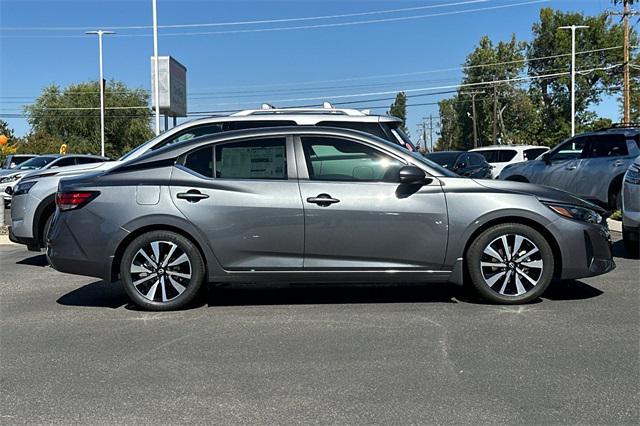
{"x": 431, "y": 131}
{"x": 100, "y": 33}
{"x": 473, "y": 116}
{"x": 626, "y": 86}
{"x": 573, "y": 29}
{"x": 495, "y": 115}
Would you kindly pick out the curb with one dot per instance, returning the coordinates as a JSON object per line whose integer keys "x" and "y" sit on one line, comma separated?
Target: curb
{"x": 4, "y": 240}
{"x": 614, "y": 225}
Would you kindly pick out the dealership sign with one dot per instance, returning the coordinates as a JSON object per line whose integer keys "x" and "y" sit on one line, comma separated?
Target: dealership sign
{"x": 172, "y": 86}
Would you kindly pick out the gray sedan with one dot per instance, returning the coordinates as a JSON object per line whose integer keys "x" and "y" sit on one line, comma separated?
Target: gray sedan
{"x": 299, "y": 204}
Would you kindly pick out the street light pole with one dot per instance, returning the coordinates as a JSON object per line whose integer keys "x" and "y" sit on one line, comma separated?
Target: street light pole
{"x": 100, "y": 33}
{"x": 573, "y": 29}
{"x": 156, "y": 79}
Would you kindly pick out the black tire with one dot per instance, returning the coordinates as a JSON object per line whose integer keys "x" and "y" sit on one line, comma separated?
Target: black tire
{"x": 489, "y": 281}
{"x": 615, "y": 200}
{"x": 632, "y": 245}
{"x": 170, "y": 278}
{"x": 45, "y": 230}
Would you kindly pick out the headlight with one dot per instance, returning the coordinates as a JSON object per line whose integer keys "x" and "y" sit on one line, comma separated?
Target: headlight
{"x": 11, "y": 178}
{"x": 574, "y": 212}
{"x": 24, "y": 187}
{"x": 633, "y": 175}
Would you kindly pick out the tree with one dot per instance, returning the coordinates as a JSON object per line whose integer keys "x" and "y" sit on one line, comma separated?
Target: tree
{"x": 597, "y": 71}
{"x": 399, "y": 109}
{"x": 504, "y": 111}
{"x": 8, "y": 147}
{"x": 54, "y": 115}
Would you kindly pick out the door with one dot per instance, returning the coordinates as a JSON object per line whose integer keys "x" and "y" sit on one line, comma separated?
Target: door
{"x": 561, "y": 169}
{"x": 244, "y": 197}
{"x": 606, "y": 157}
{"x": 357, "y": 215}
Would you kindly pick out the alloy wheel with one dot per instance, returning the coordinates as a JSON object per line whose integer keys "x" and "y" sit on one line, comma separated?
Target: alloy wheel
{"x": 511, "y": 265}
{"x": 160, "y": 271}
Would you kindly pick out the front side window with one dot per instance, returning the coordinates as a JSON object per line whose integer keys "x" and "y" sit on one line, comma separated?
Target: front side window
{"x": 608, "y": 146}
{"x": 252, "y": 159}
{"x": 69, "y": 161}
{"x": 475, "y": 160}
{"x": 569, "y": 150}
{"x": 335, "y": 159}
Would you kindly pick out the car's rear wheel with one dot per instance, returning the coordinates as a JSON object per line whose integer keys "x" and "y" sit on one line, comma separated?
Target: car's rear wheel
{"x": 510, "y": 263}
{"x": 162, "y": 270}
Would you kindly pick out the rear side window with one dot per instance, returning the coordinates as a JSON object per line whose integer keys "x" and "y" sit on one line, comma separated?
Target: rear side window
{"x": 533, "y": 153}
{"x": 336, "y": 159}
{"x": 498, "y": 155}
{"x": 70, "y": 161}
{"x": 607, "y": 146}
{"x": 371, "y": 128}
{"x": 200, "y": 161}
{"x": 255, "y": 124}
{"x": 252, "y": 159}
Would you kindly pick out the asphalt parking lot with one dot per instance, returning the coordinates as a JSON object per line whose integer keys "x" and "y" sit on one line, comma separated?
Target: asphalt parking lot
{"x": 74, "y": 351}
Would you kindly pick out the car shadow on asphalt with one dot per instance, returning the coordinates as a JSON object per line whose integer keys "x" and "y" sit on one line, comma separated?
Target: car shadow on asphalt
{"x": 37, "y": 260}
{"x": 100, "y": 294}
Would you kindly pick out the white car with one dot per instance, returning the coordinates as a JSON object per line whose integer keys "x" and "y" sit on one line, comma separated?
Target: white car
{"x": 498, "y": 156}
{"x": 631, "y": 208}
{"x": 34, "y": 197}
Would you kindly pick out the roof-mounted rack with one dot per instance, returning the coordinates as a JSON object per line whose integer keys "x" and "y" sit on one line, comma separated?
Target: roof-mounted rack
{"x": 326, "y": 109}
{"x": 616, "y": 126}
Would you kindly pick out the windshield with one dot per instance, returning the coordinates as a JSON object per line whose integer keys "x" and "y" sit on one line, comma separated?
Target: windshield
{"x": 445, "y": 159}
{"x": 141, "y": 147}
{"x": 399, "y": 133}
{"x": 35, "y": 163}
{"x": 435, "y": 166}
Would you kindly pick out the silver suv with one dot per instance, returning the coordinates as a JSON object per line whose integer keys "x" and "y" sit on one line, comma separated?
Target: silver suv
{"x": 590, "y": 165}
{"x": 33, "y": 202}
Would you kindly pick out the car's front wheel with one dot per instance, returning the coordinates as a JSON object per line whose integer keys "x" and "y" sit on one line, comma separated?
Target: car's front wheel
{"x": 510, "y": 263}
{"x": 161, "y": 270}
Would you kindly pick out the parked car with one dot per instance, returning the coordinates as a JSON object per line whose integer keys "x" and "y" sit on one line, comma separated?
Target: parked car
{"x": 590, "y": 165}
{"x": 34, "y": 204}
{"x": 631, "y": 208}
{"x": 42, "y": 163}
{"x": 462, "y": 163}
{"x": 11, "y": 161}
{"x": 499, "y": 156}
{"x": 316, "y": 204}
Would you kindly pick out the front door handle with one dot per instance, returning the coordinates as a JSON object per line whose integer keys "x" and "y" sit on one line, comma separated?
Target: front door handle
{"x": 192, "y": 195}
{"x": 323, "y": 200}
{"x": 570, "y": 168}
{"x": 618, "y": 163}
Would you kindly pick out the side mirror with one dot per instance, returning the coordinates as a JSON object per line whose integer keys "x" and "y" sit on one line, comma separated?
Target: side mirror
{"x": 412, "y": 175}
{"x": 546, "y": 158}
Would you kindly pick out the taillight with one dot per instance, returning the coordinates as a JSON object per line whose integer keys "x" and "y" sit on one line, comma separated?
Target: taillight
{"x": 73, "y": 200}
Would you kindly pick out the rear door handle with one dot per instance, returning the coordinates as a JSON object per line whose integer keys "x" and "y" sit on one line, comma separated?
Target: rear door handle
{"x": 323, "y": 200}
{"x": 192, "y": 195}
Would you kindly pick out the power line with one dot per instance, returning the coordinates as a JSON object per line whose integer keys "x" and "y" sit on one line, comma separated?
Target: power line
{"x": 306, "y": 27}
{"x": 255, "y": 22}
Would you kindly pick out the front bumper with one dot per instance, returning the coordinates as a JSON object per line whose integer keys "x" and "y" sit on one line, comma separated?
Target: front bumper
{"x": 585, "y": 248}
{"x": 29, "y": 242}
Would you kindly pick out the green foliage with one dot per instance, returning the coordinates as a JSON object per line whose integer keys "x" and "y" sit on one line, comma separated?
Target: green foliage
{"x": 41, "y": 143}
{"x": 125, "y": 128}
{"x": 399, "y": 109}
{"x": 538, "y": 111}
{"x": 6, "y": 130}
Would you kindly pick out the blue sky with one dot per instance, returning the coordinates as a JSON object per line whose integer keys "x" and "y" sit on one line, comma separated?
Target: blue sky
{"x": 242, "y": 69}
